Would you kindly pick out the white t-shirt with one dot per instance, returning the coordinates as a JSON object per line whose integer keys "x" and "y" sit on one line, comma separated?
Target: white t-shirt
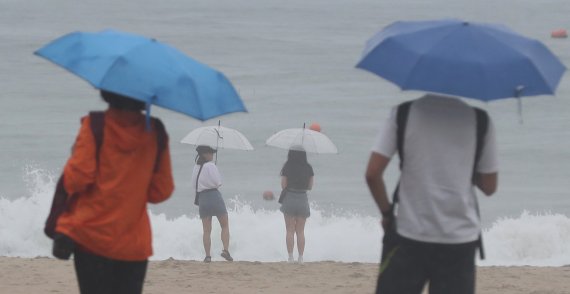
{"x": 210, "y": 177}
{"x": 437, "y": 199}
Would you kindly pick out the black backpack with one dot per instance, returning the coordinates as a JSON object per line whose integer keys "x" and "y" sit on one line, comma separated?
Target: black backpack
{"x": 482, "y": 123}
{"x": 61, "y": 200}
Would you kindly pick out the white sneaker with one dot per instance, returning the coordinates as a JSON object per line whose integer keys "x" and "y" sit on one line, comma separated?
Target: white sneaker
{"x": 300, "y": 259}
{"x": 291, "y": 259}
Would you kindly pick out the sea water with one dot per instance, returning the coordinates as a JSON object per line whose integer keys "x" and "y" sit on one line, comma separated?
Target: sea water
{"x": 293, "y": 63}
{"x": 257, "y": 234}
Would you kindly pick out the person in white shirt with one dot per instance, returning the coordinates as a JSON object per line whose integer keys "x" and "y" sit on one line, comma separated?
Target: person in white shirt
{"x": 436, "y": 220}
{"x": 207, "y": 179}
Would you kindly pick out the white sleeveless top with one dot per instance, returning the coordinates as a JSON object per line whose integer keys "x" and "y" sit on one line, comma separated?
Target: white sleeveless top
{"x": 210, "y": 177}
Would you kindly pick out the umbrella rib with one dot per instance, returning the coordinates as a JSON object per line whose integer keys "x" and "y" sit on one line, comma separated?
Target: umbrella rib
{"x": 312, "y": 141}
{"x": 383, "y": 36}
{"x": 66, "y": 66}
{"x": 235, "y": 138}
{"x": 194, "y": 88}
{"x": 403, "y": 87}
{"x": 524, "y": 54}
{"x": 117, "y": 59}
{"x": 202, "y": 134}
{"x": 146, "y": 70}
{"x": 242, "y": 139}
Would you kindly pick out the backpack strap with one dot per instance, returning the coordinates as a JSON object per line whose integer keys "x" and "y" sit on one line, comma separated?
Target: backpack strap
{"x": 401, "y": 122}
{"x": 482, "y": 122}
{"x": 161, "y": 140}
{"x": 197, "y": 178}
{"x": 61, "y": 200}
{"x": 97, "y": 123}
{"x": 98, "y": 126}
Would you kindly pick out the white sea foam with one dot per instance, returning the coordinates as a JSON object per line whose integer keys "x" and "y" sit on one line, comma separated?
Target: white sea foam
{"x": 258, "y": 235}
{"x": 530, "y": 239}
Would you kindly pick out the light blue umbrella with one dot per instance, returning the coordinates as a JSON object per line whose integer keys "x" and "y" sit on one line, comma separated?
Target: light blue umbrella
{"x": 145, "y": 69}
{"x": 467, "y": 59}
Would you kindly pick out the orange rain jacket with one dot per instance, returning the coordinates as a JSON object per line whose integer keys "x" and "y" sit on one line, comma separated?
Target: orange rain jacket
{"x": 109, "y": 216}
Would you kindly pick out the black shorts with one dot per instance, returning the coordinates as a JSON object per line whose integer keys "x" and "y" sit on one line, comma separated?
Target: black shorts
{"x": 449, "y": 268}
{"x": 211, "y": 204}
{"x": 98, "y": 274}
{"x": 296, "y": 204}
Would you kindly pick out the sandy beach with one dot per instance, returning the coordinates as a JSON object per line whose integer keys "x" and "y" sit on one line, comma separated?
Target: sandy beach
{"x": 46, "y": 275}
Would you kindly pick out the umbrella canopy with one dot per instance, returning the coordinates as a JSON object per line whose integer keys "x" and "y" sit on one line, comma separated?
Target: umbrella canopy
{"x": 468, "y": 59}
{"x": 310, "y": 141}
{"x": 145, "y": 69}
{"x": 217, "y": 137}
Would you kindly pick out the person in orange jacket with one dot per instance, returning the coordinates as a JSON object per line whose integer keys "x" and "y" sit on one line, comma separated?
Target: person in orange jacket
{"x": 110, "y": 189}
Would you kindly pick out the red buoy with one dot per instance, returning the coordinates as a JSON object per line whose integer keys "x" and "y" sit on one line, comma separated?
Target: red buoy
{"x": 560, "y": 33}
{"x": 268, "y": 195}
{"x": 315, "y": 127}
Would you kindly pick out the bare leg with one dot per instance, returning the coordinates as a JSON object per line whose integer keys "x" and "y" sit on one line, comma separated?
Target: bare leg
{"x": 290, "y": 237}
{"x": 300, "y": 231}
{"x": 224, "y": 223}
{"x": 207, "y": 228}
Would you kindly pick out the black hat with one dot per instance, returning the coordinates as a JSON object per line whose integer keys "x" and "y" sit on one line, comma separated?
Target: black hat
{"x": 202, "y": 149}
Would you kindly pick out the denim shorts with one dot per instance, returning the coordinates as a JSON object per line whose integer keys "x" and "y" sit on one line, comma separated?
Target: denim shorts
{"x": 211, "y": 203}
{"x": 296, "y": 204}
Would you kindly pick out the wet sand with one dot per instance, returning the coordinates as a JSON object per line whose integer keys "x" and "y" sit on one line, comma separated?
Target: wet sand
{"x": 47, "y": 275}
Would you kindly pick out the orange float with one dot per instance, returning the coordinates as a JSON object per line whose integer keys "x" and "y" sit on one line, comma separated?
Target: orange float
{"x": 268, "y": 195}
{"x": 560, "y": 33}
{"x": 315, "y": 127}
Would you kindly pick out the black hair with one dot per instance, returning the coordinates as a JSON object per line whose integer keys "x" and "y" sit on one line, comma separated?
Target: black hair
{"x": 297, "y": 169}
{"x": 203, "y": 149}
{"x": 296, "y": 157}
{"x": 122, "y": 102}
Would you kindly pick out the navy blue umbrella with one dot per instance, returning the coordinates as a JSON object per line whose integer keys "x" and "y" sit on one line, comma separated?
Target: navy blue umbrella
{"x": 145, "y": 69}
{"x": 467, "y": 59}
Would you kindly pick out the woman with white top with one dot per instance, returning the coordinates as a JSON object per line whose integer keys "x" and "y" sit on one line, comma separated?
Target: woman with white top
{"x": 207, "y": 179}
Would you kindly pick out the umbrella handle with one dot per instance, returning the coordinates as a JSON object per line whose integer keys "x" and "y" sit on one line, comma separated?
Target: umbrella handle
{"x": 518, "y": 91}
{"x": 520, "y": 110}
{"x": 303, "y": 135}
{"x": 147, "y": 116}
{"x": 218, "y": 140}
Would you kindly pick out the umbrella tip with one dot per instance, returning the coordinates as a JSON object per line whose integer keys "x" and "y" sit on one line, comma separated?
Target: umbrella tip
{"x": 518, "y": 90}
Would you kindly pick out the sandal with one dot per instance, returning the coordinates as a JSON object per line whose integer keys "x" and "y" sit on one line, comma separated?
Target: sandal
{"x": 226, "y": 254}
{"x": 208, "y": 259}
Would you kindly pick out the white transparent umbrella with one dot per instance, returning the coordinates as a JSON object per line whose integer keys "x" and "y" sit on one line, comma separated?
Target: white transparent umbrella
{"x": 311, "y": 141}
{"x": 217, "y": 137}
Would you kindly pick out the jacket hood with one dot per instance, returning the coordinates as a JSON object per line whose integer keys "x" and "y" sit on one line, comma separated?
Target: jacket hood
{"x": 127, "y": 128}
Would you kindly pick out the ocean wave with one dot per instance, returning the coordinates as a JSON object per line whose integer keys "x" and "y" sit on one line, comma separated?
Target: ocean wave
{"x": 259, "y": 234}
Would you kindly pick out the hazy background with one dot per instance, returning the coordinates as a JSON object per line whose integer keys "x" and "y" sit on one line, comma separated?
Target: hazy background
{"x": 293, "y": 63}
